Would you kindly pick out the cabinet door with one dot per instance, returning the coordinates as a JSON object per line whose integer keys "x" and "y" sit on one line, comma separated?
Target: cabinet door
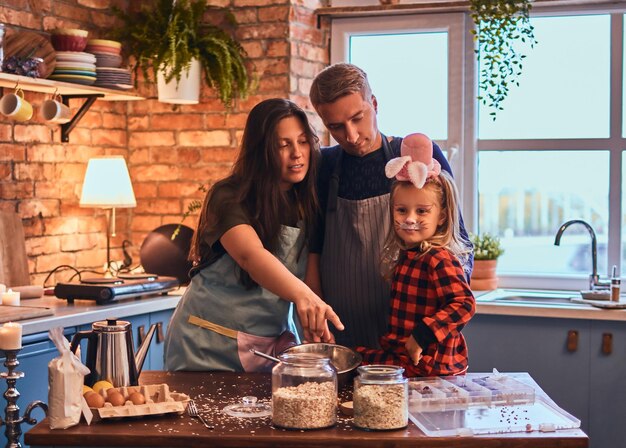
{"x": 162, "y": 319}
{"x": 608, "y": 385}
{"x": 538, "y": 346}
{"x": 38, "y": 350}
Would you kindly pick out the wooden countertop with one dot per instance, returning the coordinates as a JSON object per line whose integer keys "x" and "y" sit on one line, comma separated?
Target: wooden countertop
{"x": 214, "y": 390}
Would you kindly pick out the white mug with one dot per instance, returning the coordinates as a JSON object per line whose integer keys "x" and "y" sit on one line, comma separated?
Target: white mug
{"x": 14, "y": 105}
{"x": 54, "y": 111}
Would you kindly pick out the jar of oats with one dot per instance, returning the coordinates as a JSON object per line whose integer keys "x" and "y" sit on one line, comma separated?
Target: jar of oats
{"x": 380, "y": 398}
{"x": 304, "y": 392}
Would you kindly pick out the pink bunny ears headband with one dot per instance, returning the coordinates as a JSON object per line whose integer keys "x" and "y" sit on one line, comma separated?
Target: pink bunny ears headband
{"x": 416, "y": 163}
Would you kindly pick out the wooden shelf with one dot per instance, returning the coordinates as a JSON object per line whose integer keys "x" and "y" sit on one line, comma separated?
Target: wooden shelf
{"x": 68, "y": 91}
{"x": 64, "y": 88}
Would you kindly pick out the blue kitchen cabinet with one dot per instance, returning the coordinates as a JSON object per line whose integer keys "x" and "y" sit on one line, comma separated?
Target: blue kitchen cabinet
{"x": 538, "y": 346}
{"x": 38, "y": 350}
{"x": 607, "y": 399}
{"x": 162, "y": 320}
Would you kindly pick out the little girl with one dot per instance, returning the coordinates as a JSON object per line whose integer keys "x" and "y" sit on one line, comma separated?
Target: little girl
{"x": 431, "y": 300}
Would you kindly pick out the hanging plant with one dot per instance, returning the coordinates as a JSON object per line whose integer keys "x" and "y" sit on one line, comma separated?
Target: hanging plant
{"x": 168, "y": 34}
{"x": 501, "y": 27}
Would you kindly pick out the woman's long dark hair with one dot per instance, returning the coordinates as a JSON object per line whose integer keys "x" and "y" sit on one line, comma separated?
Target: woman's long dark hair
{"x": 256, "y": 177}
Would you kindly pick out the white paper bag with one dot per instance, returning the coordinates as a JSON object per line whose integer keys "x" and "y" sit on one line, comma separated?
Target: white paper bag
{"x": 65, "y": 384}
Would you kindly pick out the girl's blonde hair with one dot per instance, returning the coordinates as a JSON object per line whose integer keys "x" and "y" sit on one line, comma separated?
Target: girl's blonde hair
{"x": 448, "y": 234}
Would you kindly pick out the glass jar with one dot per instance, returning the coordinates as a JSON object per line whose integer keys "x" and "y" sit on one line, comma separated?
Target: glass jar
{"x": 380, "y": 398}
{"x": 304, "y": 392}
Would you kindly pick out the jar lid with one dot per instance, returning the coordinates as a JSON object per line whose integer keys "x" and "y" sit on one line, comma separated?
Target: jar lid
{"x": 381, "y": 373}
{"x": 248, "y": 408}
{"x": 304, "y": 359}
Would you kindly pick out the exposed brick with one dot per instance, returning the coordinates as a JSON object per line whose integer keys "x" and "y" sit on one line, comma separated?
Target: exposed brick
{"x": 253, "y": 50}
{"x": 46, "y": 263}
{"x": 307, "y": 34}
{"x": 6, "y": 134}
{"x": 271, "y": 84}
{"x": 138, "y": 123}
{"x": 204, "y": 138}
{"x": 92, "y": 119}
{"x": 158, "y": 206}
{"x": 247, "y": 15}
{"x": 33, "y": 171}
{"x": 19, "y": 18}
{"x": 176, "y": 121}
{"x": 46, "y": 153}
{"x": 139, "y": 156}
{"x": 34, "y": 207}
{"x": 266, "y": 31}
{"x": 180, "y": 190}
{"x": 95, "y": 258}
{"x": 32, "y": 133}
{"x": 139, "y": 139}
{"x": 71, "y": 172}
{"x": 154, "y": 172}
{"x": 243, "y": 3}
{"x": 145, "y": 189}
{"x": 277, "y": 49}
{"x": 98, "y": 4}
{"x": 274, "y": 14}
{"x": 12, "y": 152}
{"x": 15, "y": 190}
{"x": 219, "y": 155}
{"x": 42, "y": 245}
{"x": 61, "y": 225}
{"x": 145, "y": 223}
{"x": 78, "y": 242}
{"x": 304, "y": 16}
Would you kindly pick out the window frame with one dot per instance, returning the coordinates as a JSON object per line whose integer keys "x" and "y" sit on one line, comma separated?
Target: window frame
{"x": 465, "y": 168}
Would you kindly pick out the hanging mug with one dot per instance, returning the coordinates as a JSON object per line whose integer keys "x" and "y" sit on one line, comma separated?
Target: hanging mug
{"x": 54, "y": 111}
{"x": 14, "y": 106}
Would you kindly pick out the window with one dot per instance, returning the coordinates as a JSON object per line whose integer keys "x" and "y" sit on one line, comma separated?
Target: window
{"x": 553, "y": 154}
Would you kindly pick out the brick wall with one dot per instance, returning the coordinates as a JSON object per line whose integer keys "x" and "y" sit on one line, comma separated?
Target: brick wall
{"x": 171, "y": 150}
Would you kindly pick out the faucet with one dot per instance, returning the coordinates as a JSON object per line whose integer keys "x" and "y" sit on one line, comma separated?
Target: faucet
{"x": 594, "y": 279}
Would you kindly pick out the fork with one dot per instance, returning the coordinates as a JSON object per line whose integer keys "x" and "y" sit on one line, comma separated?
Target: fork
{"x": 192, "y": 410}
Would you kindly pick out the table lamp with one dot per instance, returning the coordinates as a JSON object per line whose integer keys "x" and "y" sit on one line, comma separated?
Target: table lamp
{"x": 107, "y": 185}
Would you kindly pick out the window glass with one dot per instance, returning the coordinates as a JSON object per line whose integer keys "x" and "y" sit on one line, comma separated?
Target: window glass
{"x": 409, "y": 77}
{"x": 525, "y": 196}
{"x": 564, "y": 86}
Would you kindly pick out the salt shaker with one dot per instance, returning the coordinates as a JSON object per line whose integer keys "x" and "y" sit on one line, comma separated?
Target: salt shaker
{"x": 380, "y": 398}
{"x": 304, "y": 392}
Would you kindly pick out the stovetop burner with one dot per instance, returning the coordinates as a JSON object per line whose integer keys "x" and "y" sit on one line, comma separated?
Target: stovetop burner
{"x": 104, "y": 290}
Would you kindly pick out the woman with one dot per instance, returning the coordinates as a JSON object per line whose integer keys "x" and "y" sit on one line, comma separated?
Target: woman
{"x": 249, "y": 252}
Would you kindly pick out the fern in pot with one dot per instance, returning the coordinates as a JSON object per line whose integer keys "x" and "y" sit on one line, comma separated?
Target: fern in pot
{"x": 487, "y": 250}
{"x": 171, "y": 43}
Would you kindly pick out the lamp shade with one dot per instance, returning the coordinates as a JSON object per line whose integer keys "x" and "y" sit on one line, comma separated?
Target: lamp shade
{"x": 107, "y": 184}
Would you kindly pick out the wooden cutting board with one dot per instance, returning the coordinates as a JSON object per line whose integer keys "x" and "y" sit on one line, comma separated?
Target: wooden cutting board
{"x": 22, "y": 43}
{"x": 13, "y": 262}
{"x": 15, "y": 313}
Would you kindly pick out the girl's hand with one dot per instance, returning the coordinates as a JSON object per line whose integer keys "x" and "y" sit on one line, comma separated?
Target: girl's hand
{"x": 314, "y": 315}
{"x": 414, "y": 350}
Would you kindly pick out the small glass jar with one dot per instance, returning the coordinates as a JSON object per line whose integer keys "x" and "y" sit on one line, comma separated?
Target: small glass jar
{"x": 304, "y": 392}
{"x": 380, "y": 398}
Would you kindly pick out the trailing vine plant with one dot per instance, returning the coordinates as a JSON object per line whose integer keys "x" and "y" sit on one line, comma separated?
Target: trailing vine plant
{"x": 192, "y": 207}
{"x": 501, "y": 25}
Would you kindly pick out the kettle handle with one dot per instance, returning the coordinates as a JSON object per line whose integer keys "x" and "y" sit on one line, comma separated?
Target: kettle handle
{"x": 80, "y": 336}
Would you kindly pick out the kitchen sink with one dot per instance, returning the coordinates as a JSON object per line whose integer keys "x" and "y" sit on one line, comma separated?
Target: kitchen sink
{"x": 561, "y": 298}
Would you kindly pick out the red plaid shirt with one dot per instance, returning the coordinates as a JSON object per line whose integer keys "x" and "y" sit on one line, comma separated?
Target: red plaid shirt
{"x": 431, "y": 299}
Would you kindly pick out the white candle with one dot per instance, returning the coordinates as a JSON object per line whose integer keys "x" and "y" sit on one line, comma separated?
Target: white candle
{"x": 11, "y": 336}
{"x": 11, "y": 298}
{"x": 3, "y": 288}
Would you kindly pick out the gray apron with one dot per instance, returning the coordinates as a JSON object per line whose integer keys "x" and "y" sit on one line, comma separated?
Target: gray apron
{"x": 350, "y": 264}
{"x": 218, "y": 321}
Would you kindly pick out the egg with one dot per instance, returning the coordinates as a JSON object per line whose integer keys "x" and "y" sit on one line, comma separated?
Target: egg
{"x": 116, "y": 398}
{"x": 137, "y": 398}
{"x": 94, "y": 400}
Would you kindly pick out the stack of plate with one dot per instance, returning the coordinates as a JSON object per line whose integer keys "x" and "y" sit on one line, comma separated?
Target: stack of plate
{"x": 107, "y": 52}
{"x": 113, "y": 78}
{"x": 76, "y": 67}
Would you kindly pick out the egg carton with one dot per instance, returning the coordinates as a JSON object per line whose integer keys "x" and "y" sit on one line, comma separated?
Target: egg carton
{"x": 159, "y": 400}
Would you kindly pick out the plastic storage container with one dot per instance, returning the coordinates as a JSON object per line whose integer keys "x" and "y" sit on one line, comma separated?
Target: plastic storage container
{"x": 304, "y": 392}
{"x": 380, "y": 398}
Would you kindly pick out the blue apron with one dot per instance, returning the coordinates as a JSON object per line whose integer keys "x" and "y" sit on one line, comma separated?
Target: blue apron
{"x": 218, "y": 320}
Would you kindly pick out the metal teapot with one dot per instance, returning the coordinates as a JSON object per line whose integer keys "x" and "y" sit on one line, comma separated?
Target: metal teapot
{"x": 110, "y": 354}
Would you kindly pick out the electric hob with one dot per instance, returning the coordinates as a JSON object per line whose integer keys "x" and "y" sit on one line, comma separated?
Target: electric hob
{"x": 104, "y": 290}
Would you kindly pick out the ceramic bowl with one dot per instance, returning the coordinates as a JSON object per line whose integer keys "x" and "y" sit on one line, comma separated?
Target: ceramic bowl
{"x": 65, "y": 42}
{"x": 70, "y": 32}
{"x": 343, "y": 358}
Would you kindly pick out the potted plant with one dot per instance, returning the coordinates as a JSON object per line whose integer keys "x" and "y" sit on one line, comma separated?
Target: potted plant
{"x": 487, "y": 249}
{"x": 502, "y": 28}
{"x": 170, "y": 40}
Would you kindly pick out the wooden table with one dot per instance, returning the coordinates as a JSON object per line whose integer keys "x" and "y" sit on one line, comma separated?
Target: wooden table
{"x": 213, "y": 391}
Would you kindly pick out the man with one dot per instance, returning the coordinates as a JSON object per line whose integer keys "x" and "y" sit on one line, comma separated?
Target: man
{"x": 354, "y": 196}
